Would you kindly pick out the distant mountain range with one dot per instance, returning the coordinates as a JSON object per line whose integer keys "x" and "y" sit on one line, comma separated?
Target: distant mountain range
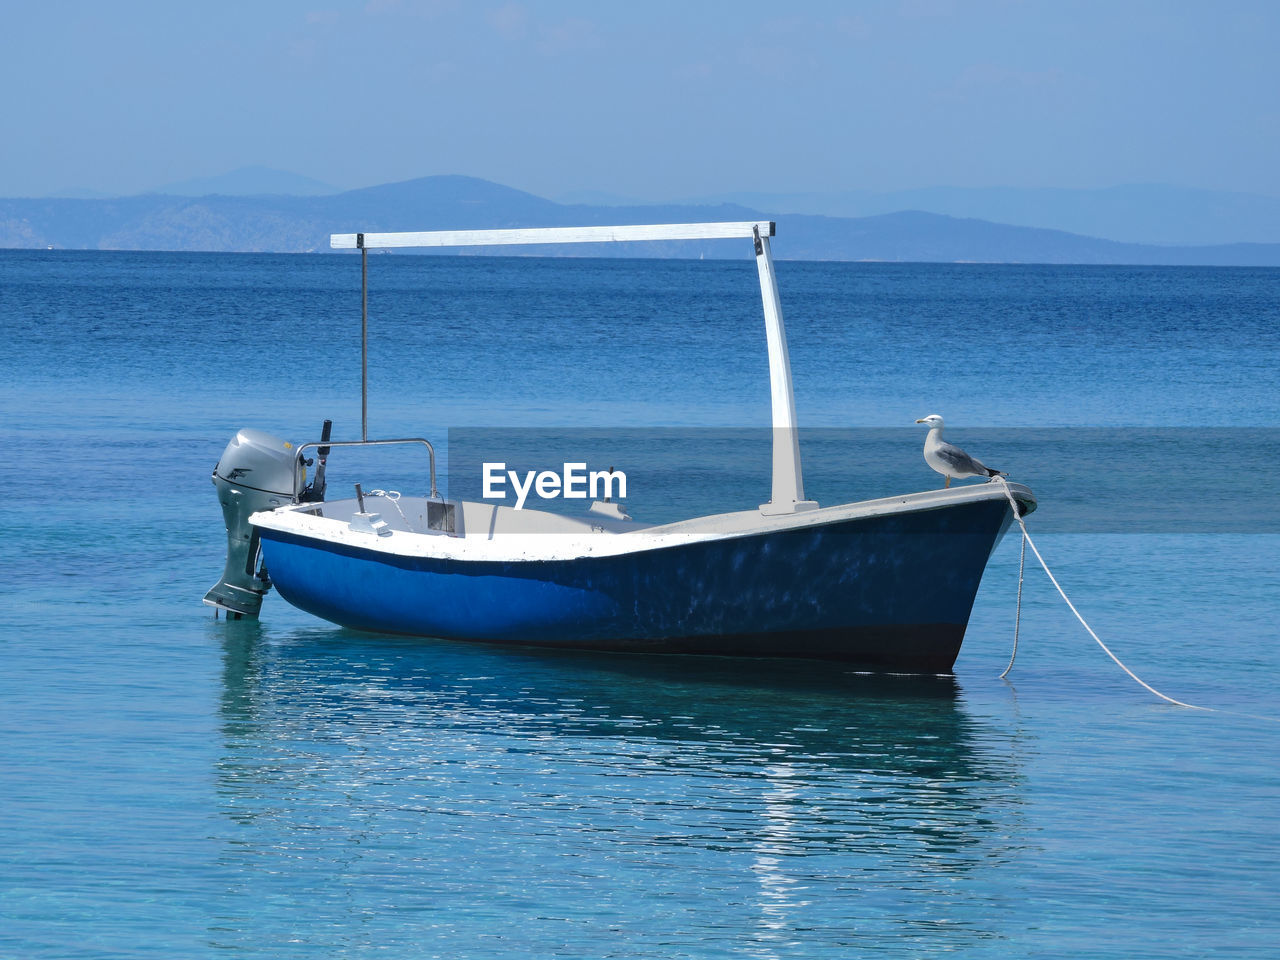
{"x": 280, "y": 222}
{"x": 1136, "y": 213}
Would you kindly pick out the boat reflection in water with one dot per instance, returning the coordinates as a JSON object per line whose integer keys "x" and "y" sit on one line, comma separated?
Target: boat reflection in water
{"x": 725, "y": 800}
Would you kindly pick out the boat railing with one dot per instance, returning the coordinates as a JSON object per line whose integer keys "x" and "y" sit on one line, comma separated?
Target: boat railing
{"x": 431, "y": 454}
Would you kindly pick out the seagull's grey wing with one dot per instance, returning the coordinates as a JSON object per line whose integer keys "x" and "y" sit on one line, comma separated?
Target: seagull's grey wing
{"x": 959, "y": 461}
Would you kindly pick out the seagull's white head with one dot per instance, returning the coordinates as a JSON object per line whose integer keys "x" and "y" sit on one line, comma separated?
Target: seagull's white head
{"x": 933, "y": 420}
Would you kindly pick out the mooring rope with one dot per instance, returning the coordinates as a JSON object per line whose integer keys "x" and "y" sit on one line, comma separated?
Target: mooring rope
{"x": 1028, "y": 542}
{"x": 1017, "y": 618}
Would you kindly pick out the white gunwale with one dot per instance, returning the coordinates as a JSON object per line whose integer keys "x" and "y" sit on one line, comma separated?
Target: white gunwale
{"x": 560, "y": 544}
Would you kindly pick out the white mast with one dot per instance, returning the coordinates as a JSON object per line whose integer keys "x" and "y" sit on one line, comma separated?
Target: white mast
{"x": 788, "y": 484}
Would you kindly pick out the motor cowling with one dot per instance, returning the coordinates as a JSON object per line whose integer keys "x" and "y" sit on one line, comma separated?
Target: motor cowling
{"x": 257, "y": 471}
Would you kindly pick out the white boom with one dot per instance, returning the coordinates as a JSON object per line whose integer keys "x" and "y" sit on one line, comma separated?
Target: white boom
{"x": 519, "y": 236}
{"x": 788, "y": 484}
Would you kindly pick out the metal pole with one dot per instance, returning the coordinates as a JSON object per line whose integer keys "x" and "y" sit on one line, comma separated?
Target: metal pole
{"x": 364, "y": 338}
{"x": 788, "y": 484}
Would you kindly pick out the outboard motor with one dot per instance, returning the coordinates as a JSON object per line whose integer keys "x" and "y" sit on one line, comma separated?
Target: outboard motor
{"x": 257, "y": 472}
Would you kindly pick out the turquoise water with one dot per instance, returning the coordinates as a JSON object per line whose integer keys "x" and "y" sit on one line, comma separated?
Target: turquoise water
{"x": 171, "y": 785}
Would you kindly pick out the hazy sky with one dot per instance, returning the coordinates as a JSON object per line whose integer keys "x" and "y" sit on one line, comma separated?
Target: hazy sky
{"x": 652, "y": 99}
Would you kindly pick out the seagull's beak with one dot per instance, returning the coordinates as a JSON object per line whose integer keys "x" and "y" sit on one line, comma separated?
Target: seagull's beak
{"x": 919, "y": 421}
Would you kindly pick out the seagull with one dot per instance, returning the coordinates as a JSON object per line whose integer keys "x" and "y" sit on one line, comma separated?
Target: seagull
{"x": 949, "y": 460}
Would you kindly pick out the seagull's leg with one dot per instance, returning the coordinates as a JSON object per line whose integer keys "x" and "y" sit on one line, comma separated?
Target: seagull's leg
{"x": 947, "y": 485}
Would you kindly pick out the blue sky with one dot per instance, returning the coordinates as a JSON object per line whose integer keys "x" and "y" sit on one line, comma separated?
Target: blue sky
{"x": 655, "y": 100}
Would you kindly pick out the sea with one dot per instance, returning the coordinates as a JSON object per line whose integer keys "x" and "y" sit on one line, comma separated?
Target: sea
{"x": 176, "y": 785}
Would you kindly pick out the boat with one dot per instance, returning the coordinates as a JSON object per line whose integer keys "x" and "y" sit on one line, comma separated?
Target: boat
{"x": 887, "y": 584}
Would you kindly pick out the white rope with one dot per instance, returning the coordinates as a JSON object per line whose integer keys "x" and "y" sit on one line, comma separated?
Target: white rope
{"x": 394, "y": 497}
{"x": 1017, "y": 617}
{"x": 1017, "y": 515}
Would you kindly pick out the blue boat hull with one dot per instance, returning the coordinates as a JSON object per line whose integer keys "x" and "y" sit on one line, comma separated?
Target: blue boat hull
{"x": 891, "y": 591}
